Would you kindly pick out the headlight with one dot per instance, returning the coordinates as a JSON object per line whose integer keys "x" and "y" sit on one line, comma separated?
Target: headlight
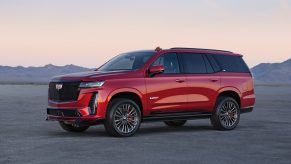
{"x": 91, "y": 84}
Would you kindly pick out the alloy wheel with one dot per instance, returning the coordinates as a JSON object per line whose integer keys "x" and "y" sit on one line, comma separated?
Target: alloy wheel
{"x": 125, "y": 118}
{"x": 228, "y": 114}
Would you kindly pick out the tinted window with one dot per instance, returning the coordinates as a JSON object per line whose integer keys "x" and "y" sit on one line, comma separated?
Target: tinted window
{"x": 231, "y": 63}
{"x": 213, "y": 63}
{"x": 193, "y": 63}
{"x": 209, "y": 68}
{"x": 127, "y": 61}
{"x": 243, "y": 66}
{"x": 170, "y": 62}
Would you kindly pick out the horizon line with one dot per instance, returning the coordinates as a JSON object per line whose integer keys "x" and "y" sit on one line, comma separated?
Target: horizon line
{"x": 97, "y": 66}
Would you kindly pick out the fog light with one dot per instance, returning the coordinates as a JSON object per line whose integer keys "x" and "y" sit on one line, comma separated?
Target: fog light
{"x": 93, "y": 104}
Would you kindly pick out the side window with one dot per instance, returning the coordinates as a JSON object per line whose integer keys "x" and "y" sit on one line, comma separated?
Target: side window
{"x": 242, "y": 65}
{"x": 231, "y": 63}
{"x": 193, "y": 63}
{"x": 170, "y": 62}
{"x": 213, "y": 63}
{"x": 209, "y": 68}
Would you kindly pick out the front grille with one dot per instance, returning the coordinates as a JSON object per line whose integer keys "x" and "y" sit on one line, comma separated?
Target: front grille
{"x": 64, "y": 112}
{"x": 64, "y": 91}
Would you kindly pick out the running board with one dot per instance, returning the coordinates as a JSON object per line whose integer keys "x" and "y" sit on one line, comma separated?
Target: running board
{"x": 168, "y": 116}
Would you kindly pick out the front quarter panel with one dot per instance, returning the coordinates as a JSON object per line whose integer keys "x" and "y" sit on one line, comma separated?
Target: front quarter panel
{"x": 113, "y": 87}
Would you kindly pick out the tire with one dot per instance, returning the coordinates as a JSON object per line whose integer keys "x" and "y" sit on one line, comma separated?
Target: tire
{"x": 72, "y": 127}
{"x": 176, "y": 123}
{"x": 123, "y": 118}
{"x": 226, "y": 114}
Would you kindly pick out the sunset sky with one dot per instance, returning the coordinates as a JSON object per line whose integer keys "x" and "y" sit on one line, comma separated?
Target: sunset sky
{"x": 89, "y": 32}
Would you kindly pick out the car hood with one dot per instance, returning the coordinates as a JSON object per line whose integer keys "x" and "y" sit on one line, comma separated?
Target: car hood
{"x": 91, "y": 75}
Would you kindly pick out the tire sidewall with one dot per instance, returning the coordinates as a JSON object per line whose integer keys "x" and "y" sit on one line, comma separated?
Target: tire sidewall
{"x": 221, "y": 101}
{"x": 110, "y": 117}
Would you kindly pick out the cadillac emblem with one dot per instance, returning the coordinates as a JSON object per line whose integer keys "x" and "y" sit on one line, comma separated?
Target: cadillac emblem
{"x": 59, "y": 86}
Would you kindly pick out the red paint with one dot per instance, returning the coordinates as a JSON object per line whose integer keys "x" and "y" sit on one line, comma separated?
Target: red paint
{"x": 163, "y": 92}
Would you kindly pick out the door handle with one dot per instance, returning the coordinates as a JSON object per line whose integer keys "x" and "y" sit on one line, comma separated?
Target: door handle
{"x": 180, "y": 81}
{"x": 214, "y": 80}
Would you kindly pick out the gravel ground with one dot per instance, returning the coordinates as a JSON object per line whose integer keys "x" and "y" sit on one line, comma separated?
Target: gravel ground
{"x": 263, "y": 136}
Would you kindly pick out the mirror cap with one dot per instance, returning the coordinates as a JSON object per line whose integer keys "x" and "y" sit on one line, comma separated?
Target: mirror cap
{"x": 157, "y": 69}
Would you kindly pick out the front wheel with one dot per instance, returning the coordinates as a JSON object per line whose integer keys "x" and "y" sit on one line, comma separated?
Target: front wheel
{"x": 72, "y": 127}
{"x": 123, "y": 118}
{"x": 226, "y": 114}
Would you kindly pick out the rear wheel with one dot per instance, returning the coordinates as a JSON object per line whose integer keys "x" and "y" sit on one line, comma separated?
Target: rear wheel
{"x": 73, "y": 127}
{"x": 175, "y": 123}
{"x": 226, "y": 114}
{"x": 123, "y": 118}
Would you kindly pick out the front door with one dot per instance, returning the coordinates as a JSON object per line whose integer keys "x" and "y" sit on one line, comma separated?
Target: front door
{"x": 167, "y": 91}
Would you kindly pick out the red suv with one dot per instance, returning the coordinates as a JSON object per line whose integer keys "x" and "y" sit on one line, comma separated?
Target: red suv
{"x": 172, "y": 85}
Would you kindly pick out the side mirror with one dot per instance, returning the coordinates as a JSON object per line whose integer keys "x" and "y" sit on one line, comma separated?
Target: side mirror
{"x": 157, "y": 69}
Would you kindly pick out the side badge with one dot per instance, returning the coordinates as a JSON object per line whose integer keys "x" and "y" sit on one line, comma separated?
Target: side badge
{"x": 153, "y": 98}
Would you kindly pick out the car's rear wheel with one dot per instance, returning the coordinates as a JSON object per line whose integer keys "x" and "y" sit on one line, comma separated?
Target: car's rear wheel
{"x": 175, "y": 123}
{"x": 226, "y": 114}
{"x": 123, "y": 118}
{"x": 73, "y": 127}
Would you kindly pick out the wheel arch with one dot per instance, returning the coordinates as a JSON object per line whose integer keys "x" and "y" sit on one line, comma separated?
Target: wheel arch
{"x": 128, "y": 93}
{"x": 230, "y": 92}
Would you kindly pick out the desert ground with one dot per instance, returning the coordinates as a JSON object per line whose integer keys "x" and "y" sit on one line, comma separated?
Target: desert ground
{"x": 263, "y": 136}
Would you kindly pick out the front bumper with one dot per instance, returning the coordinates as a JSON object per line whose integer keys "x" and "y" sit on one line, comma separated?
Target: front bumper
{"x": 72, "y": 116}
{"x": 88, "y": 99}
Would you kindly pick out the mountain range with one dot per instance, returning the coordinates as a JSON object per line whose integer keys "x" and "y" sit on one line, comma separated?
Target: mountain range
{"x": 264, "y": 73}
{"x": 36, "y": 74}
{"x": 267, "y": 73}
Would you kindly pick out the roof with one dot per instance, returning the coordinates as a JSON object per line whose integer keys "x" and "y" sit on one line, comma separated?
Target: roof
{"x": 199, "y": 49}
{"x": 203, "y": 50}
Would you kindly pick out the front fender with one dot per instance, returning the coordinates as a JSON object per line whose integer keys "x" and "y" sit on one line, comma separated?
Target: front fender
{"x": 120, "y": 90}
{"x": 132, "y": 90}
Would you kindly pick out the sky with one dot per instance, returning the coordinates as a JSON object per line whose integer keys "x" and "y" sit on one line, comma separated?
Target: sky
{"x": 90, "y": 32}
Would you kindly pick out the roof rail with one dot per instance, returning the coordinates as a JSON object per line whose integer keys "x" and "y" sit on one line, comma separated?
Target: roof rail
{"x": 201, "y": 49}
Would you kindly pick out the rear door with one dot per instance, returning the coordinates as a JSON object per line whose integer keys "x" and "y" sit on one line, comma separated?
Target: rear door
{"x": 202, "y": 81}
{"x": 167, "y": 91}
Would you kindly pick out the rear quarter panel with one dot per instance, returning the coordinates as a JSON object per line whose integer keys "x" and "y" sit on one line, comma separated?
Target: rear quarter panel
{"x": 242, "y": 84}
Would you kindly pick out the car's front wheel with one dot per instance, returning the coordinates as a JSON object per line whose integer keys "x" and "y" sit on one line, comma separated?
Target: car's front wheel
{"x": 123, "y": 118}
{"x": 72, "y": 127}
{"x": 226, "y": 114}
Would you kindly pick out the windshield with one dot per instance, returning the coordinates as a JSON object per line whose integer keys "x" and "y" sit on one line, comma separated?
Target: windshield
{"x": 127, "y": 61}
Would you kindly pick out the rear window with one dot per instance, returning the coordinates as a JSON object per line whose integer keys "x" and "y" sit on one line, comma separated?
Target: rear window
{"x": 231, "y": 63}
